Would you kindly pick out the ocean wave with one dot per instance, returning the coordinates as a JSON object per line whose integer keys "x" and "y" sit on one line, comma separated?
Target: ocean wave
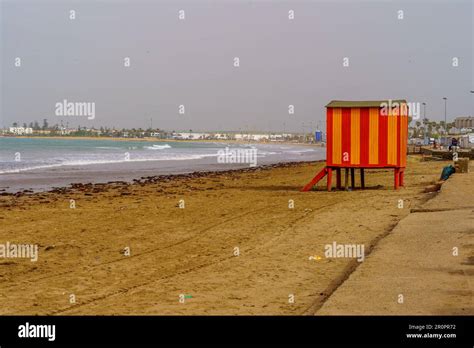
{"x": 104, "y": 161}
{"x": 19, "y": 170}
{"x": 265, "y": 153}
{"x": 158, "y": 147}
{"x": 108, "y": 147}
{"x": 301, "y": 151}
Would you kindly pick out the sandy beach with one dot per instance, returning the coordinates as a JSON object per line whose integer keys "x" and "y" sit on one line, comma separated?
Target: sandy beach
{"x": 423, "y": 267}
{"x": 210, "y": 243}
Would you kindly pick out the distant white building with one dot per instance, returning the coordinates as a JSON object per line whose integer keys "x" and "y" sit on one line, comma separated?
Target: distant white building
{"x": 467, "y": 141}
{"x": 276, "y": 137}
{"x": 464, "y": 122}
{"x": 65, "y": 131}
{"x": 191, "y": 136}
{"x": 20, "y": 130}
{"x": 254, "y": 137}
{"x": 221, "y": 136}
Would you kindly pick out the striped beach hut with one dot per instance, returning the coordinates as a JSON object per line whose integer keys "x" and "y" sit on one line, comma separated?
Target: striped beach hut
{"x": 364, "y": 134}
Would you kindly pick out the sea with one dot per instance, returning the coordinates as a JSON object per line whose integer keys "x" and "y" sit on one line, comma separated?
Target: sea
{"x": 40, "y": 164}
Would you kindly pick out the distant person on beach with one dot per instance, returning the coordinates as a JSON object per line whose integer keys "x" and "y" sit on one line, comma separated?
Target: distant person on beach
{"x": 454, "y": 144}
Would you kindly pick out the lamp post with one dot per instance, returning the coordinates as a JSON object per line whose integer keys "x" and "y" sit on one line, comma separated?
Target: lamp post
{"x": 425, "y": 136}
{"x": 472, "y": 92}
{"x": 445, "y": 121}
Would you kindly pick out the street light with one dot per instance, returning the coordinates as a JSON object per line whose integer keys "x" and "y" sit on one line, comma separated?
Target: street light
{"x": 425, "y": 142}
{"x": 445, "y": 122}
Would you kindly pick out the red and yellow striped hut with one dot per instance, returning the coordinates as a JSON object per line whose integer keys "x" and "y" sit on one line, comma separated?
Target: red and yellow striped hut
{"x": 365, "y": 134}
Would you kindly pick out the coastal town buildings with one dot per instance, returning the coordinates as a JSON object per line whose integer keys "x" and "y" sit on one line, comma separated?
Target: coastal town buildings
{"x": 464, "y": 122}
{"x": 20, "y": 130}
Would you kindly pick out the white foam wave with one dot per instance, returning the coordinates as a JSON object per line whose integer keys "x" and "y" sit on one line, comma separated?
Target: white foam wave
{"x": 108, "y": 147}
{"x": 158, "y": 147}
{"x": 104, "y": 161}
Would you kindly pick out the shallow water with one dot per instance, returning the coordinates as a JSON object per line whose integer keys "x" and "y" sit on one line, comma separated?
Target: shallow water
{"x": 41, "y": 164}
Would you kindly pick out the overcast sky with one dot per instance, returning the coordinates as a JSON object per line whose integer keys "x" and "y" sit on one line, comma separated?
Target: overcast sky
{"x": 191, "y": 62}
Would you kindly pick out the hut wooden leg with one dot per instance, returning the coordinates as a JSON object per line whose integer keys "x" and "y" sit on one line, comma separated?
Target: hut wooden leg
{"x": 329, "y": 179}
{"x": 402, "y": 175}
{"x": 397, "y": 178}
{"x": 346, "y": 179}
{"x": 353, "y": 178}
{"x": 362, "y": 178}
{"x": 315, "y": 180}
{"x": 338, "y": 178}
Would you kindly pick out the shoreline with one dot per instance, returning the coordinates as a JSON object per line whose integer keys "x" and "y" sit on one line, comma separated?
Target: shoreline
{"x": 155, "y": 178}
{"x": 41, "y": 177}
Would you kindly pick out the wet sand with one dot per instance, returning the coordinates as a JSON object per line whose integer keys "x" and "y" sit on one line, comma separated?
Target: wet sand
{"x": 235, "y": 248}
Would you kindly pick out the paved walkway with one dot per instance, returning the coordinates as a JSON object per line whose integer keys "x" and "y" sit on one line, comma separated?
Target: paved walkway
{"x": 413, "y": 270}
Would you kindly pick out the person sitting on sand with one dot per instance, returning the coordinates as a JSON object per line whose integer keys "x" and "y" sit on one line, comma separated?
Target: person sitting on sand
{"x": 454, "y": 144}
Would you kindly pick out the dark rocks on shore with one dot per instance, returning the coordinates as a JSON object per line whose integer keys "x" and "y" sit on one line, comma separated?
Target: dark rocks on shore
{"x": 89, "y": 188}
{"x": 223, "y": 173}
{"x": 59, "y": 190}
{"x": 117, "y": 182}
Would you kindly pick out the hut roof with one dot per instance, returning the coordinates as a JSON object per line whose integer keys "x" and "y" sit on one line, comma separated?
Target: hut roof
{"x": 362, "y": 103}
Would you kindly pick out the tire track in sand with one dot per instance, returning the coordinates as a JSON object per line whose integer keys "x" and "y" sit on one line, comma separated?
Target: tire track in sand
{"x": 122, "y": 291}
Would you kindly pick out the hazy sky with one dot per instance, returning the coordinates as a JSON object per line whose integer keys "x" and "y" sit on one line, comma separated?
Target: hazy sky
{"x": 191, "y": 62}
